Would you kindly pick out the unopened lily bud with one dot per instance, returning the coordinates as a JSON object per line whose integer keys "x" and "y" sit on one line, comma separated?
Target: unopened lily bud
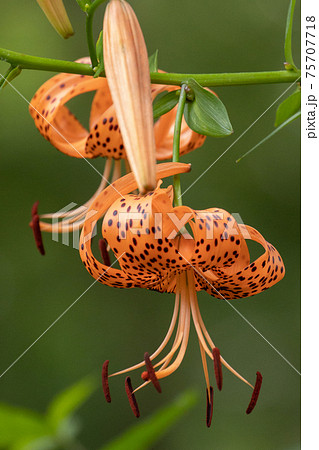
{"x": 57, "y": 16}
{"x": 127, "y": 71}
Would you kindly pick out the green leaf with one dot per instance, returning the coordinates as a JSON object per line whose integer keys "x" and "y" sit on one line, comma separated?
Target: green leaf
{"x": 288, "y": 36}
{"x": 68, "y": 429}
{"x": 99, "y": 54}
{"x": 10, "y": 75}
{"x": 276, "y": 130}
{"x": 42, "y": 443}
{"x": 164, "y": 102}
{"x": 65, "y": 403}
{"x": 153, "y": 62}
{"x": 18, "y": 423}
{"x": 288, "y": 107}
{"x": 147, "y": 432}
{"x": 206, "y": 114}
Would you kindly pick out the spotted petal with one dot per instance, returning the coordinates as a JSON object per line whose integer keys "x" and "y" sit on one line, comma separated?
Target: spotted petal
{"x": 54, "y": 121}
{"x": 256, "y": 277}
{"x": 219, "y": 242}
{"x": 98, "y": 208}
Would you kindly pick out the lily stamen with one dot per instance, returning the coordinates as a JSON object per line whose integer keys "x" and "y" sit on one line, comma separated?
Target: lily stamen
{"x": 105, "y": 381}
{"x": 131, "y": 397}
{"x": 209, "y": 407}
{"x": 255, "y": 394}
{"x": 218, "y": 368}
{"x": 35, "y": 225}
{"x": 205, "y": 368}
{"x": 151, "y": 373}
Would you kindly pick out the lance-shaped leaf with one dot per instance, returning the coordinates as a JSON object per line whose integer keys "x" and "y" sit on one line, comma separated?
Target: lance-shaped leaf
{"x": 18, "y": 423}
{"x": 153, "y": 62}
{"x": 57, "y": 16}
{"x": 275, "y": 131}
{"x": 206, "y": 113}
{"x": 288, "y": 107}
{"x": 143, "y": 435}
{"x": 128, "y": 74}
{"x": 11, "y": 74}
{"x": 68, "y": 401}
{"x": 164, "y": 102}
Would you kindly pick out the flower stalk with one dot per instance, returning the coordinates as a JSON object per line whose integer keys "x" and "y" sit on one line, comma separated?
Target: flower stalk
{"x": 176, "y": 144}
{"x": 89, "y": 30}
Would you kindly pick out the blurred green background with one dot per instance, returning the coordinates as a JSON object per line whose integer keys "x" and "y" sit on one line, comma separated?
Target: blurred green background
{"x": 202, "y": 36}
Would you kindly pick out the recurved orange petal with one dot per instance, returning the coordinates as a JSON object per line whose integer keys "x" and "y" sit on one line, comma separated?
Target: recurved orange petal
{"x": 256, "y": 277}
{"x": 54, "y": 121}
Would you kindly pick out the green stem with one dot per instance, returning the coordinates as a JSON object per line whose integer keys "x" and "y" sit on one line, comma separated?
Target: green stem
{"x": 176, "y": 144}
{"x": 50, "y": 65}
{"x": 89, "y": 31}
{"x": 211, "y": 79}
{"x": 227, "y": 79}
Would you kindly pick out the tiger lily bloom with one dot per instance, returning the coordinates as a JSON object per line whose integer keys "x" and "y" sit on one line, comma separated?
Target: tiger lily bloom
{"x": 60, "y": 127}
{"x": 149, "y": 239}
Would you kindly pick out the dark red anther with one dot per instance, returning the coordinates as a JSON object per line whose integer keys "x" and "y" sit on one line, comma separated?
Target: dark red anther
{"x": 105, "y": 381}
{"x": 209, "y": 408}
{"x": 34, "y": 209}
{"x": 131, "y": 397}
{"x": 37, "y": 233}
{"x": 104, "y": 253}
{"x": 255, "y": 393}
{"x": 218, "y": 368}
{"x": 151, "y": 372}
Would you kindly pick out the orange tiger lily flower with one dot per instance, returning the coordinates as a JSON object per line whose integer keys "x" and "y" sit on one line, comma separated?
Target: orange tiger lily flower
{"x": 61, "y": 128}
{"x": 149, "y": 238}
